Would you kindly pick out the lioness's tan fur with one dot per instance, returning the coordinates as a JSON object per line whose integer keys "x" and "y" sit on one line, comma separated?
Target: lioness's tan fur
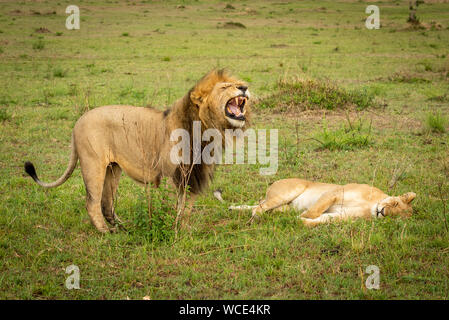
{"x": 326, "y": 202}
{"x": 111, "y": 139}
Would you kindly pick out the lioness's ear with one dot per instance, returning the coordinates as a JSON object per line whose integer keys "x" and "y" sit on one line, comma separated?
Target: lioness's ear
{"x": 408, "y": 197}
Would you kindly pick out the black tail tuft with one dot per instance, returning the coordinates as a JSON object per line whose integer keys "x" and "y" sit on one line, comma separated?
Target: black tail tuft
{"x": 29, "y": 168}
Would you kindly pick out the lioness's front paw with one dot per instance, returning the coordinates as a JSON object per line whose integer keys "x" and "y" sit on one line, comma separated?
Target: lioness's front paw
{"x": 305, "y": 214}
{"x": 309, "y": 215}
{"x": 308, "y": 222}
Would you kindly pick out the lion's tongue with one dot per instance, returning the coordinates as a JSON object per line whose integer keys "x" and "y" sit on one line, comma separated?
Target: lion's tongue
{"x": 234, "y": 109}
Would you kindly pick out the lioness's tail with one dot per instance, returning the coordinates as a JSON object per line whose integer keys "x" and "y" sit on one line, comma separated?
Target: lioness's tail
{"x": 217, "y": 194}
{"x": 242, "y": 207}
{"x": 29, "y": 168}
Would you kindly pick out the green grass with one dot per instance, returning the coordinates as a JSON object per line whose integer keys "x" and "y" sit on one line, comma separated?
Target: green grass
{"x": 154, "y": 216}
{"x": 59, "y": 73}
{"x": 347, "y": 137}
{"x": 39, "y": 45}
{"x": 4, "y": 115}
{"x": 435, "y": 122}
{"x": 303, "y": 63}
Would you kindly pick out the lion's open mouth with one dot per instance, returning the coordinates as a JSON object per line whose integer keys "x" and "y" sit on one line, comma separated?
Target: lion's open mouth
{"x": 235, "y": 108}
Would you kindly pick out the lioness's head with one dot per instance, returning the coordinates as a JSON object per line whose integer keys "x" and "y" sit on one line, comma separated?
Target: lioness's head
{"x": 222, "y": 100}
{"x": 396, "y": 206}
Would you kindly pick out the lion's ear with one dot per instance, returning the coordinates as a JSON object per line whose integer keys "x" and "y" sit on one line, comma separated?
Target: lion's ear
{"x": 204, "y": 87}
{"x": 408, "y": 197}
{"x": 196, "y": 96}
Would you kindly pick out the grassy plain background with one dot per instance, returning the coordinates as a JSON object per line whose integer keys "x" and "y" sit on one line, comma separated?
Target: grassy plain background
{"x": 152, "y": 52}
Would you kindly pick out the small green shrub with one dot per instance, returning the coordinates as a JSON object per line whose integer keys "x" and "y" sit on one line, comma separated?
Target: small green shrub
{"x": 233, "y": 25}
{"x": 405, "y": 77}
{"x": 7, "y": 101}
{"x": 442, "y": 98}
{"x": 425, "y": 65}
{"x": 413, "y": 19}
{"x": 348, "y": 137}
{"x": 59, "y": 73}
{"x": 313, "y": 94}
{"x": 154, "y": 217}
{"x": 435, "y": 122}
{"x": 4, "y": 115}
{"x": 38, "y": 45}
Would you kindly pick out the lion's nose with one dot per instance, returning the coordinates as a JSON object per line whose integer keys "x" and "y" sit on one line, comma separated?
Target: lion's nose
{"x": 243, "y": 88}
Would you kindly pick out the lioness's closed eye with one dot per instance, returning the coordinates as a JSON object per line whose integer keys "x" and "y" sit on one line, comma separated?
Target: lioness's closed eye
{"x": 325, "y": 202}
{"x": 110, "y": 139}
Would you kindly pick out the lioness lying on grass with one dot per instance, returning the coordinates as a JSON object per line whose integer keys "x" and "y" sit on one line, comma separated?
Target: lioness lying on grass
{"x": 326, "y": 202}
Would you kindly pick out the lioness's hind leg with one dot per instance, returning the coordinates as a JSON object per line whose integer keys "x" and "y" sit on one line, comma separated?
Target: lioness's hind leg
{"x": 280, "y": 193}
{"x": 110, "y": 186}
{"x": 94, "y": 177}
{"x": 266, "y": 205}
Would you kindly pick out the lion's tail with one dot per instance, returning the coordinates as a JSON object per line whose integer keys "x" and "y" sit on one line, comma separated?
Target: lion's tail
{"x": 29, "y": 168}
{"x": 217, "y": 194}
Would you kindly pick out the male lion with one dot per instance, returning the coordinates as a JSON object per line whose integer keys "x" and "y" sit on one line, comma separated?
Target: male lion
{"x": 326, "y": 202}
{"x": 110, "y": 139}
